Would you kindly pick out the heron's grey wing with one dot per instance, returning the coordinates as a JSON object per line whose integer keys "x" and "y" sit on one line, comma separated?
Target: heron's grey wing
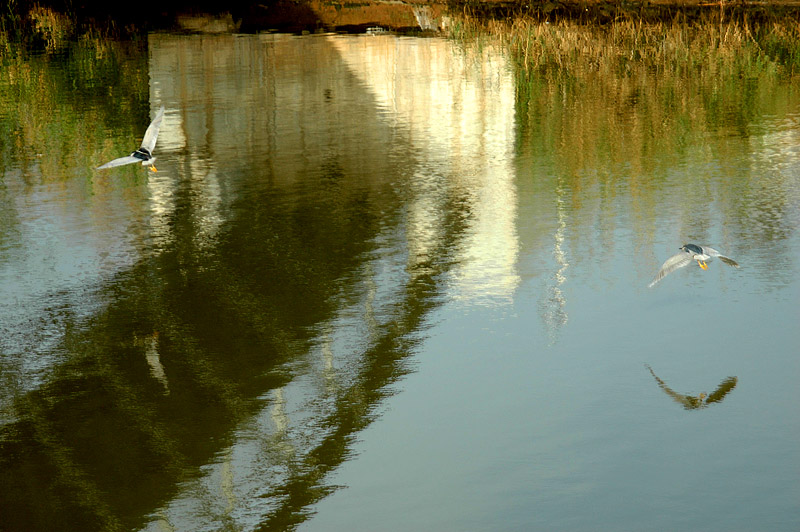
{"x": 120, "y": 162}
{"x": 722, "y": 390}
{"x": 670, "y": 265}
{"x": 150, "y": 136}
{"x": 711, "y": 252}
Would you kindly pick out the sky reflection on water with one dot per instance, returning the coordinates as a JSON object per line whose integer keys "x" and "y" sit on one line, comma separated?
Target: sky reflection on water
{"x": 367, "y": 263}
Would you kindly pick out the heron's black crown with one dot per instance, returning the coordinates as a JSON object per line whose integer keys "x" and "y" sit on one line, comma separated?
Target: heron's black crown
{"x": 142, "y": 153}
{"x": 692, "y": 248}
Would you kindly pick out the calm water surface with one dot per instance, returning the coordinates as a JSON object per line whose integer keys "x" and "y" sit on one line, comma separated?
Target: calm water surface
{"x": 375, "y": 285}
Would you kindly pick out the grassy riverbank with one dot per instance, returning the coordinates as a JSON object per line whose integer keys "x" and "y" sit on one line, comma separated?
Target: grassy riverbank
{"x": 706, "y": 58}
{"x": 640, "y": 89}
{"x": 47, "y": 20}
{"x": 677, "y": 45}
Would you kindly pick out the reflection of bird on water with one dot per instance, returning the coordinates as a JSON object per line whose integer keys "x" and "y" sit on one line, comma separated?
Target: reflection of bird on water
{"x": 691, "y": 402}
{"x": 153, "y": 357}
{"x": 690, "y": 252}
{"x": 145, "y": 152}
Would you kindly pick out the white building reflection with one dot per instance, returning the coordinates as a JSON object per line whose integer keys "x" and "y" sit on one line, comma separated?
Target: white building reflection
{"x": 452, "y": 111}
{"x": 458, "y": 109}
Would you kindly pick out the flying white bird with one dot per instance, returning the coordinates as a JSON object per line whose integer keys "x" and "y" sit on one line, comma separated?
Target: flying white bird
{"x": 145, "y": 152}
{"x": 688, "y": 253}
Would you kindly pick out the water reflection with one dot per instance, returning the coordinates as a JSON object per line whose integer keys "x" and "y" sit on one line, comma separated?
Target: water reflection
{"x": 457, "y": 108}
{"x": 153, "y": 358}
{"x": 553, "y": 303}
{"x": 279, "y": 270}
{"x": 701, "y": 400}
{"x": 209, "y": 342}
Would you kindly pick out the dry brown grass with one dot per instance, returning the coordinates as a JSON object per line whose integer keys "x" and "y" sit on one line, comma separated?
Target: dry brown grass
{"x": 637, "y": 96}
{"x": 677, "y": 46}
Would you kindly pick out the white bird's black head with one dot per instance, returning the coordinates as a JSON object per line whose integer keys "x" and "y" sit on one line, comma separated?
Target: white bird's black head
{"x": 692, "y": 248}
{"x": 143, "y": 154}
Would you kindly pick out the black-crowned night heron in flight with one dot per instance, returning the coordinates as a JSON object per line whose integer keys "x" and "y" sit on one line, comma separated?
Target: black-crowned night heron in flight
{"x": 144, "y": 154}
{"x": 689, "y": 253}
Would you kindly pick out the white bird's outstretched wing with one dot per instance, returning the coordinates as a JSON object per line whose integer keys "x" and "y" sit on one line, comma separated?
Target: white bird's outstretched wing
{"x": 150, "y": 136}
{"x": 120, "y": 162}
{"x": 148, "y": 144}
{"x": 711, "y": 252}
{"x": 676, "y": 261}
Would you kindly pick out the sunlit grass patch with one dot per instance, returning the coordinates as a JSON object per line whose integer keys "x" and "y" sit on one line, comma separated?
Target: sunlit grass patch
{"x": 625, "y": 93}
{"x": 678, "y": 46}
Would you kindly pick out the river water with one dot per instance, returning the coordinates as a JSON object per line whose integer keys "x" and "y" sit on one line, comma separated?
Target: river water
{"x": 375, "y": 284}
